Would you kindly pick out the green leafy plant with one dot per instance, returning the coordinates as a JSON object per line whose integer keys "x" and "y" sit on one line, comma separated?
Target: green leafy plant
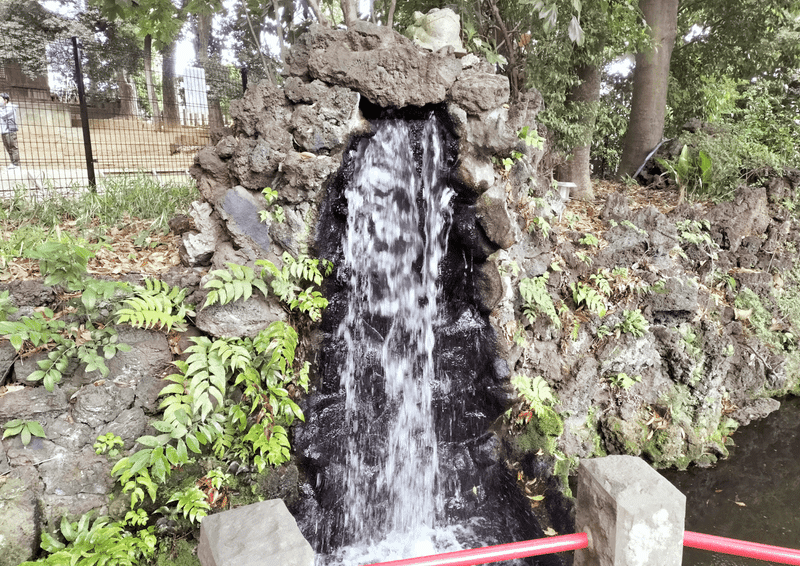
{"x": 229, "y": 285}
{"x": 531, "y": 137}
{"x": 156, "y": 305}
{"x": 633, "y": 322}
{"x": 62, "y": 263}
{"x": 540, "y": 223}
{"x": 583, "y": 295}
{"x": 192, "y": 502}
{"x": 39, "y": 328}
{"x": 276, "y": 211}
{"x": 90, "y": 543}
{"x": 291, "y": 282}
{"x": 623, "y": 380}
{"x": 25, "y": 429}
{"x": 536, "y": 300}
{"x": 590, "y": 240}
{"x": 109, "y": 444}
{"x": 6, "y": 306}
{"x": 689, "y": 171}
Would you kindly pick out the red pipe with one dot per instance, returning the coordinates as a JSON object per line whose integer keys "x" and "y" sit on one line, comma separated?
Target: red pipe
{"x": 497, "y": 553}
{"x": 740, "y": 548}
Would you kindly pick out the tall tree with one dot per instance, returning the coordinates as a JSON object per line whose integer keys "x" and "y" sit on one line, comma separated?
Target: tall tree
{"x": 650, "y": 83}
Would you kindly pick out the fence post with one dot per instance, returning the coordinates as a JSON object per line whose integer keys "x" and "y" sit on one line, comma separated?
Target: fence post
{"x": 633, "y": 516}
{"x": 87, "y": 140}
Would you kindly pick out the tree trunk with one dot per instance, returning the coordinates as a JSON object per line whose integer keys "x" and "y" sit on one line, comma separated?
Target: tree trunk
{"x": 129, "y": 103}
{"x": 650, "y": 81}
{"x": 202, "y": 43}
{"x": 169, "y": 85}
{"x": 578, "y": 169}
{"x": 350, "y": 11}
{"x": 148, "y": 77}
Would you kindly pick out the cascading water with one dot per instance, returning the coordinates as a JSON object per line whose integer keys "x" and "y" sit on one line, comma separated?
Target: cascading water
{"x": 396, "y": 437}
{"x": 388, "y": 289}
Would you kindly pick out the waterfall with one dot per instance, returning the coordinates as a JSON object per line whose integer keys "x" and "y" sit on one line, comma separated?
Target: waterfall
{"x": 393, "y": 270}
{"x": 396, "y": 446}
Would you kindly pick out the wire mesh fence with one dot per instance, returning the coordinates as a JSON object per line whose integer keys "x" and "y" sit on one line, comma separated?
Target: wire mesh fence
{"x": 87, "y": 112}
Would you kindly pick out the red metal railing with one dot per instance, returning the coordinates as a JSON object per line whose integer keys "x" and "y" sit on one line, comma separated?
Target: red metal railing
{"x": 497, "y": 553}
{"x": 741, "y": 548}
{"x": 563, "y": 543}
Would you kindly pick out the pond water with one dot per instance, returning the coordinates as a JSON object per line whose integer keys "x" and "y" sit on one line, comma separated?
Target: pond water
{"x": 754, "y": 495}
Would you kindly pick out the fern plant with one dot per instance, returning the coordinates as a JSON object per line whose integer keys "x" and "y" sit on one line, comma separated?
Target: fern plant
{"x": 583, "y": 295}
{"x": 294, "y": 283}
{"x": 633, "y": 322}
{"x": 156, "y": 305}
{"x": 237, "y": 282}
{"x": 536, "y": 300}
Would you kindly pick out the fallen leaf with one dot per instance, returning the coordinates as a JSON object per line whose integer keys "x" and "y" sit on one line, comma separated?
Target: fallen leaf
{"x": 550, "y": 532}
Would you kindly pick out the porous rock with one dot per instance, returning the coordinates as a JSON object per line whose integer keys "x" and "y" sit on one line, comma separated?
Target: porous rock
{"x": 19, "y": 516}
{"x": 240, "y": 318}
{"x": 392, "y": 73}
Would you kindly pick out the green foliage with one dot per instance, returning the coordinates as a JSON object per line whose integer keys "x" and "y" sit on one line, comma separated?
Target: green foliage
{"x": 590, "y": 240}
{"x": 86, "y": 344}
{"x": 692, "y": 173}
{"x": 237, "y": 282}
{"x": 276, "y": 213}
{"x": 542, "y": 224}
{"x": 536, "y": 300}
{"x": 62, "y": 263}
{"x": 200, "y": 418}
{"x": 25, "y": 429}
{"x": 39, "y": 328}
{"x": 531, "y": 137}
{"x": 633, "y": 322}
{"x": 156, "y": 305}
{"x": 290, "y": 282}
{"x": 91, "y": 543}
{"x": 583, "y": 295}
{"x": 536, "y": 392}
{"x": 293, "y": 283}
{"x": 108, "y": 443}
{"x": 192, "y": 503}
{"x": 6, "y": 306}
{"x": 623, "y": 380}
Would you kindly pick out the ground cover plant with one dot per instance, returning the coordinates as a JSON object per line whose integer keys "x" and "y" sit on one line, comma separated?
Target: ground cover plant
{"x": 231, "y": 400}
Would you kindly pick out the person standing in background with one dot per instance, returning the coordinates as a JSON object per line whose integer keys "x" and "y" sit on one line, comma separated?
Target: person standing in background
{"x": 8, "y": 128}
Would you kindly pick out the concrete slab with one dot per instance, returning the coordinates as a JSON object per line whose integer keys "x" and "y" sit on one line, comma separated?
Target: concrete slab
{"x": 633, "y": 516}
{"x": 261, "y": 534}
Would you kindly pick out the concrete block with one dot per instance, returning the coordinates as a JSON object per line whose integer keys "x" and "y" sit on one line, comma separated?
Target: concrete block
{"x": 261, "y": 534}
{"x": 633, "y": 516}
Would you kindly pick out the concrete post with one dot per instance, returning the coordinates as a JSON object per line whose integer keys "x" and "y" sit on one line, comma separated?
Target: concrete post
{"x": 633, "y": 516}
{"x": 261, "y": 534}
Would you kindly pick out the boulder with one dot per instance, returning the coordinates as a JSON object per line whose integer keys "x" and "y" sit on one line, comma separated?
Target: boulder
{"x": 240, "y": 318}
{"x": 385, "y": 67}
{"x": 480, "y": 92}
{"x": 262, "y": 534}
{"x": 198, "y": 247}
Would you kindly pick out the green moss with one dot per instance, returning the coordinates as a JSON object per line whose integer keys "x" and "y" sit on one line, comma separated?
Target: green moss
{"x": 549, "y": 422}
{"x": 176, "y": 552}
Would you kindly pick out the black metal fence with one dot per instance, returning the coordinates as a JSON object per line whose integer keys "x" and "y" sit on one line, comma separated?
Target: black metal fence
{"x": 87, "y": 112}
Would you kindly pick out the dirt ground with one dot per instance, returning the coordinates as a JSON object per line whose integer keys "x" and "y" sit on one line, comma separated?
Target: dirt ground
{"x": 53, "y": 156}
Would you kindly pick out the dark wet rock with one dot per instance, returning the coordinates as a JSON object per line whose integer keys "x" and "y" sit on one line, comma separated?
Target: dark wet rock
{"x": 757, "y": 409}
{"x": 494, "y": 217}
